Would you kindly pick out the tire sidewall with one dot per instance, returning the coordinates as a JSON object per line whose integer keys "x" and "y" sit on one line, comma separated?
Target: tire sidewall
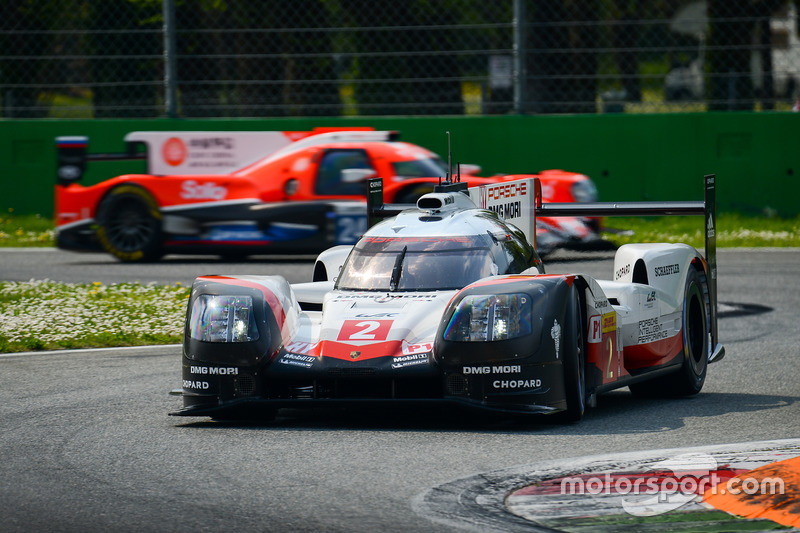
{"x": 574, "y": 360}
{"x": 116, "y": 198}
{"x": 695, "y": 343}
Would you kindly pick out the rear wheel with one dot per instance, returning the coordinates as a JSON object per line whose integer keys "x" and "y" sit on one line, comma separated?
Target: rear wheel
{"x": 574, "y": 361}
{"x": 692, "y": 375}
{"x": 129, "y": 224}
{"x": 690, "y": 378}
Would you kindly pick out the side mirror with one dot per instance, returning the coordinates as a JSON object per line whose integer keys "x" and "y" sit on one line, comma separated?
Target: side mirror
{"x": 356, "y": 175}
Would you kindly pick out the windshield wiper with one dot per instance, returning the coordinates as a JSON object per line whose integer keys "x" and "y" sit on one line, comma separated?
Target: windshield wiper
{"x": 397, "y": 269}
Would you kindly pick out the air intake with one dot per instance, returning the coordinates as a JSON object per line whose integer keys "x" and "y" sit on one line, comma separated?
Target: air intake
{"x": 435, "y": 201}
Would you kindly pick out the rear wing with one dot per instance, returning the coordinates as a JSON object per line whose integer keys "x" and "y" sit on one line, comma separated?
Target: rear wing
{"x": 201, "y": 152}
{"x": 531, "y": 205}
{"x": 707, "y": 208}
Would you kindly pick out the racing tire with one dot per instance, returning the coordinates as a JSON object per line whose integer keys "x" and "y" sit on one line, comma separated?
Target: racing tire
{"x": 129, "y": 224}
{"x": 574, "y": 361}
{"x": 689, "y": 380}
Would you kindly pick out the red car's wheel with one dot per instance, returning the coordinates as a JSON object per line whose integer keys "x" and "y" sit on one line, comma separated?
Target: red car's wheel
{"x": 129, "y": 224}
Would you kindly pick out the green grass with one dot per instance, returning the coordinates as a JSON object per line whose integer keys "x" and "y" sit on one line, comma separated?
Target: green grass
{"x": 26, "y": 231}
{"x": 733, "y": 231}
{"x": 44, "y": 315}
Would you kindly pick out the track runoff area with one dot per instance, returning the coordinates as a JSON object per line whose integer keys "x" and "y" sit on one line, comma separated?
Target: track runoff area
{"x": 736, "y": 487}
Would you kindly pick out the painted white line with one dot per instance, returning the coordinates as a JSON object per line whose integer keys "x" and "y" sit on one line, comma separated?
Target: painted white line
{"x": 86, "y": 350}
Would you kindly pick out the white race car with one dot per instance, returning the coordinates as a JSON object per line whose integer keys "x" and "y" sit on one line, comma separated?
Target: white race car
{"x": 448, "y": 302}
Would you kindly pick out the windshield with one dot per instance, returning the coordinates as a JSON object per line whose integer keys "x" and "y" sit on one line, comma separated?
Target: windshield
{"x": 420, "y": 168}
{"x": 417, "y": 263}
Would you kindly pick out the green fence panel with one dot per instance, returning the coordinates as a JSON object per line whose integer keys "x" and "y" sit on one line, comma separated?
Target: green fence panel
{"x": 756, "y": 156}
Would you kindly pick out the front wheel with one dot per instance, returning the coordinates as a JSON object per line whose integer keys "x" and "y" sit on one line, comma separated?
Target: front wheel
{"x": 574, "y": 361}
{"x": 129, "y": 224}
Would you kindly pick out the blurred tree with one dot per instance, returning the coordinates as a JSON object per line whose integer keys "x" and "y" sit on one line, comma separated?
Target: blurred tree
{"x": 198, "y": 64}
{"x": 126, "y": 67}
{"x": 561, "y": 56}
{"x": 625, "y": 30}
{"x": 403, "y": 66}
{"x": 734, "y": 27}
{"x": 22, "y": 73}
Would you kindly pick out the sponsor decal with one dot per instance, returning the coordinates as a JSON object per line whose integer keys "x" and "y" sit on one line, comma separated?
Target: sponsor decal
{"x": 496, "y": 369}
{"x": 601, "y": 304}
{"x": 215, "y": 370}
{"x": 305, "y": 361}
{"x": 517, "y": 384}
{"x": 409, "y": 360}
{"x": 609, "y": 322}
{"x": 365, "y": 330}
{"x": 191, "y": 190}
{"x": 595, "y": 334}
{"x": 650, "y": 330}
{"x": 509, "y": 210}
{"x": 624, "y": 271}
{"x": 599, "y": 324}
{"x": 197, "y": 385}
{"x": 301, "y": 347}
{"x": 510, "y": 190}
{"x": 174, "y": 151}
{"x": 710, "y": 232}
{"x": 667, "y": 270}
{"x": 225, "y": 143}
{"x": 423, "y": 297}
{"x": 409, "y": 349}
{"x": 555, "y": 333}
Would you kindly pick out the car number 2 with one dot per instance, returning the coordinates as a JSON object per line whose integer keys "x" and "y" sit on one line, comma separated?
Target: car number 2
{"x": 365, "y": 330}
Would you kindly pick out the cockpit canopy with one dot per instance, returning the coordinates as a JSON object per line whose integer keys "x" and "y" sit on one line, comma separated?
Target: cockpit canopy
{"x": 379, "y": 263}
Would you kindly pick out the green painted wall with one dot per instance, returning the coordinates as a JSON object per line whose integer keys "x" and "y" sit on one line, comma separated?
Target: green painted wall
{"x": 756, "y": 156}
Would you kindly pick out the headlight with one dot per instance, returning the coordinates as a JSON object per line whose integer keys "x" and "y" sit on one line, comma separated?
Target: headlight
{"x": 490, "y": 318}
{"x": 223, "y": 318}
{"x": 584, "y": 191}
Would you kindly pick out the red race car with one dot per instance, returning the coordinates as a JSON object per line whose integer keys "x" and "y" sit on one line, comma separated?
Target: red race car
{"x": 244, "y": 193}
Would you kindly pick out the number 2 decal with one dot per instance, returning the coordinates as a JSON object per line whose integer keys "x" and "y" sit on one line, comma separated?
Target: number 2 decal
{"x": 365, "y": 330}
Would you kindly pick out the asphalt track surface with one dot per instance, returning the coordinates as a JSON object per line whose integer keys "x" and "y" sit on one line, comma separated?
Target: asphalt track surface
{"x": 87, "y": 445}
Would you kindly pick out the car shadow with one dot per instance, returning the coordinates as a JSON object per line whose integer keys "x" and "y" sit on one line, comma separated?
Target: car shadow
{"x": 618, "y": 412}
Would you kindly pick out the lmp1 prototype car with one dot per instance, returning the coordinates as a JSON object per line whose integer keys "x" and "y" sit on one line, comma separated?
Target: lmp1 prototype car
{"x": 447, "y": 302}
{"x": 244, "y": 193}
